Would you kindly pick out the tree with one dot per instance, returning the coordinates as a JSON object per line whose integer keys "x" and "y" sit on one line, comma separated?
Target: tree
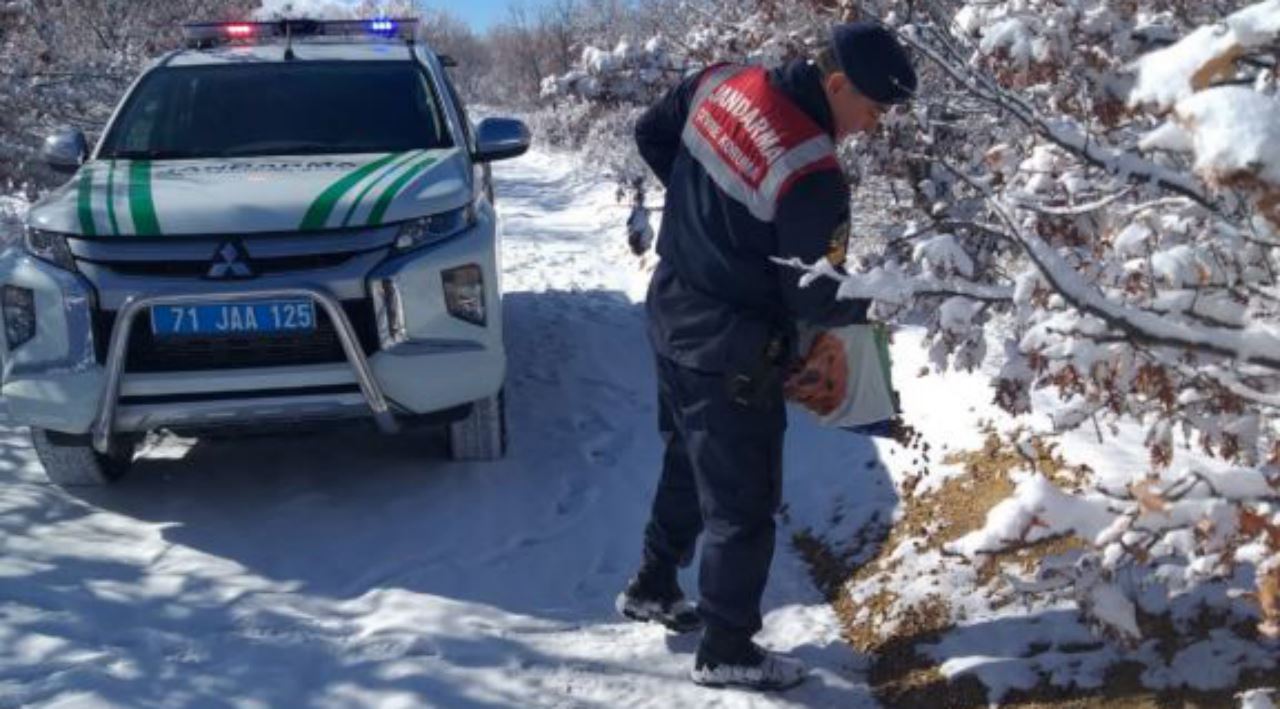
{"x": 66, "y": 62}
{"x": 1097, "y": 182}
{"x": 1114, "y": 208}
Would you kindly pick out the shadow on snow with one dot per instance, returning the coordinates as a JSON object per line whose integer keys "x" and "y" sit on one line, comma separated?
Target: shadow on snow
{"x": 263, "y": 565}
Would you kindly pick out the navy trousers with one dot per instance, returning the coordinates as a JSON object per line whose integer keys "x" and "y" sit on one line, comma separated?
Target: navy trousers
{"x": 722, "y": 479}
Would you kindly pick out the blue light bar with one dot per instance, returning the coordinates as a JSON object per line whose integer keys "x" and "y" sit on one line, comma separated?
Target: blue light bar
{"x": 382, "y": 26}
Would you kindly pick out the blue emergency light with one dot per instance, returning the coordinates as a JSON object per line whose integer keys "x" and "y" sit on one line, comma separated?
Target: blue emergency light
{"x": 209, "y": 34}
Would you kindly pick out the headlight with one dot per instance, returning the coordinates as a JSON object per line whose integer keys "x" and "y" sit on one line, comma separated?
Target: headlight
{"x": 435, "y": 228}
{"x": 51, "y": 247}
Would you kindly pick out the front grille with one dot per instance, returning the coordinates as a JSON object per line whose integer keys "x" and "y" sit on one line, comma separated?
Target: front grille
{"x": 148, "y": 354}
{"x": 200, "y": 269}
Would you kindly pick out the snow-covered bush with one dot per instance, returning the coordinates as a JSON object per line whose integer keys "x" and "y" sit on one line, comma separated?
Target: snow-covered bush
{"x": 1094, "y": 187}
{"x": 624, "y": 74}
{"x": 1114, "y": 205}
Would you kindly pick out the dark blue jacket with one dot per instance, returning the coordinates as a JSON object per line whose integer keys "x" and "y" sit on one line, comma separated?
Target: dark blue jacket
{"x": 717, "y": 298}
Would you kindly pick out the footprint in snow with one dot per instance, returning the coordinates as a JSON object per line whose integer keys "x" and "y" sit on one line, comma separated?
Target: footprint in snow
{"x": 576, "y": 493}
{"x": 600, "y": 456}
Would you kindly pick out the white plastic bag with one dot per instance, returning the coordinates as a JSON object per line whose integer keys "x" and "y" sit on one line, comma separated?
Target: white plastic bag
{"x": 846, "y": 379}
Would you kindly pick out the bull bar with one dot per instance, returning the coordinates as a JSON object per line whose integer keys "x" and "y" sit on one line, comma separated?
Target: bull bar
{"x": 117, "y": 354}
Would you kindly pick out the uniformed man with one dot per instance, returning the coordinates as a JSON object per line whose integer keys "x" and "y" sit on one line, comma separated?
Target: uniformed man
{"x": 748, "y": 159}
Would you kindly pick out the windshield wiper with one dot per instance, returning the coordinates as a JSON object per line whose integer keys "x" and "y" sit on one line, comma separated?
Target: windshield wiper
{"x": 280, "y": 147}
{"x": 150, "y": 154}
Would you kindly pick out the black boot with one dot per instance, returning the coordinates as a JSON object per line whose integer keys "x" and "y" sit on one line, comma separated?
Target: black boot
{"x": 748, "y": 666}
{"x": 656, "y": 597}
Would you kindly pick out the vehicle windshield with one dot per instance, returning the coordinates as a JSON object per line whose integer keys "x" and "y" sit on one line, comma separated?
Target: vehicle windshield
{"x": 300, "y": 108}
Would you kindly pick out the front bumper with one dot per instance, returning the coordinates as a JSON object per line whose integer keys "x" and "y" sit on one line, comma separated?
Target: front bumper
{"x": 425, "y": 360}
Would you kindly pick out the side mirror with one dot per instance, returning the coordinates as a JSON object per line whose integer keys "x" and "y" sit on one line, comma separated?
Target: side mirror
{"x": 65, "y": 150}
{"x": 500, "y": 139}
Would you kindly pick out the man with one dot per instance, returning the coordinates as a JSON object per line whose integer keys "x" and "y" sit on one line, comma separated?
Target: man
{"x": 748, "y": 160}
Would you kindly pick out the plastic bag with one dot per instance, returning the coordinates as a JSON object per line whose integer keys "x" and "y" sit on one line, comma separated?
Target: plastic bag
{"x": 846, "y": 379}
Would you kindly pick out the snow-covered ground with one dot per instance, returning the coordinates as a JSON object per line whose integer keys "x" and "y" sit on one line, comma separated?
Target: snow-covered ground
{"x": 355, "y": 570}
{"x": 1010, "y": 642}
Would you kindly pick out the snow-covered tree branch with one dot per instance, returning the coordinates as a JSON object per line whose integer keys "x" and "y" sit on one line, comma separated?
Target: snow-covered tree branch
{"x": 1094, "y": 188}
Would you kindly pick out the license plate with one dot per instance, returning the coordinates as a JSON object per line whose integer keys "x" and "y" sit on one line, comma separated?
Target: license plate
{"x": 230, "y": 319}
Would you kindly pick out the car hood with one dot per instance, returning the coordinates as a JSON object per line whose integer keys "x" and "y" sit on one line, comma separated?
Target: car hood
{"x": 124, "y": 198}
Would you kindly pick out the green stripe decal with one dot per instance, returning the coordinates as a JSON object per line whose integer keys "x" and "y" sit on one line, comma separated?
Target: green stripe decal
{"x": 84, "y": 201}
{"x": 111, "y": 198}
{"x": 384, "y": 200}
{"x": 351, "y": 211}
{"x": 318, "y": 213}
{"x": 141, "y": 206}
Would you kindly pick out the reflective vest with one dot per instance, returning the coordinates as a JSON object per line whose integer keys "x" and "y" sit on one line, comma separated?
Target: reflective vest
{"x": 751, "y": 139}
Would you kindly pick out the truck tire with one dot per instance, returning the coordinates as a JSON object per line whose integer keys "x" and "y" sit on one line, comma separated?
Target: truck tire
{"x": 71, "y": 461}
{"x": 482, "y": 435}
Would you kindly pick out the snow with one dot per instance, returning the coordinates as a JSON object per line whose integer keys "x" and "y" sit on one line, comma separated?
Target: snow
{"x": 1044, "y": 159}
{"x": 1179, "y": 266}
{"x": 1011, "y": 35}
{"x": 354, "y": 570}
{"x": 956, "y": 314}
{"x": 1257, "y": 343}
{"x": 1008, "y": 635}
{"x": 600, "y": 61}
{"x": 969, "y": 20}
{"x": 1257, "y": 699}
{"x": 1134, "y": 240}
{"x": 1168, "y": 75}
{"x": 1234, "y": 130}
{"x": 1215, "y": 663}
{"x": 1016, "y": 649}
{"x": 944, "y": 253}
{"x": 1039, "y": 506}
{"x": 1169, "y": 136}
{"x": 322, "y": 9}
{"x": 892, "y": 284}
{"x": 1017, "y": 653}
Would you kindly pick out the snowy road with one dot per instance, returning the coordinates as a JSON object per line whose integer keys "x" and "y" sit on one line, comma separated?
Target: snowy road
{"x": 356, "y": 570}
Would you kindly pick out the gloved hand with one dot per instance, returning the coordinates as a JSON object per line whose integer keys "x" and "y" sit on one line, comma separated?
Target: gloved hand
{"x": 639, "y": 231}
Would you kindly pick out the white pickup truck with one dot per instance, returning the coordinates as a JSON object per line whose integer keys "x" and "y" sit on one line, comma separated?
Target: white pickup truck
{"x": 283, "y": 222}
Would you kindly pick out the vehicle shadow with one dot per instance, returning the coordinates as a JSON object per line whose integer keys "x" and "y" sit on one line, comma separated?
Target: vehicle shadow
{"x": 348, "y": 567}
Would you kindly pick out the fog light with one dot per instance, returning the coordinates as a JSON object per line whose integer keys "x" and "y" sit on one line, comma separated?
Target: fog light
{"x": 19, "y": 316}
{"x": 464, "y": 293}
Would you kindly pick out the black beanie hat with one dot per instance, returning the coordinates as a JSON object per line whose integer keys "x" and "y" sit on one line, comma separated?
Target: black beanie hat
{"x": 874, "y": 61}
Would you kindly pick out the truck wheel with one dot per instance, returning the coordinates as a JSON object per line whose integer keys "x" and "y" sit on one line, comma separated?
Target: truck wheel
{"x": 71, "y": 461}
{"x": 482, "y": 435}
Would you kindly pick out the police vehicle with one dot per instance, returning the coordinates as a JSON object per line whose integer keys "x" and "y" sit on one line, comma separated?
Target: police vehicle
{"x": 282, "y": 222}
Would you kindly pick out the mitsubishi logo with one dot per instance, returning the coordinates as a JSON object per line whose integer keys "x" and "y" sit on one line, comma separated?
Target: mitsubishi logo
{"x": 230, "y": 261}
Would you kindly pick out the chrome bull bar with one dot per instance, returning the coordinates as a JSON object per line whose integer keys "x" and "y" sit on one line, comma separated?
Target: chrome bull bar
{"x": 105, "y": 421}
